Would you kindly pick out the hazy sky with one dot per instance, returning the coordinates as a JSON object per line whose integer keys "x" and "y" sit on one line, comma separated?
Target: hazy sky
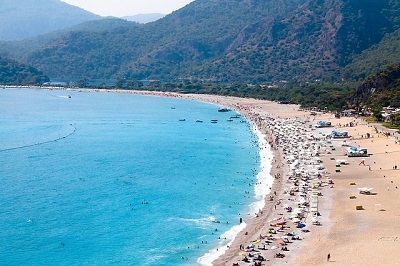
{"x": 120, "y": 8}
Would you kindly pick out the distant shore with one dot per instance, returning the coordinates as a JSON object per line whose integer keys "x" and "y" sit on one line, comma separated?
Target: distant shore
{"x": 347, "y": 234}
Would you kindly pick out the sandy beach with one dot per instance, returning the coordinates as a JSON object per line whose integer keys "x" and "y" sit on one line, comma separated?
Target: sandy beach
{"x": 370, "y": 236}
{"x": 352, "y": 237}
{"x": 310, "y": 211}
{"x": 273, "y": 230}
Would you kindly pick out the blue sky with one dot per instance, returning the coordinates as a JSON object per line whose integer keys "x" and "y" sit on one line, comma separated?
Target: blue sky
{"x": 119, "y": 8}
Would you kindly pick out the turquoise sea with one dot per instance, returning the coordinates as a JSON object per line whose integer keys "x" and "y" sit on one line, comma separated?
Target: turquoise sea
{"x": 117, "y": 179}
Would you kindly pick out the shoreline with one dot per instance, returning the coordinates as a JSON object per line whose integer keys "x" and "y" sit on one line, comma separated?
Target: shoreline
{"x": 263, "y": 187}
{"x": 262, "y": 208}
{"x": 345, "y": 230}
{"x": 257, "y": 221}
{"x": 270, "y": 162}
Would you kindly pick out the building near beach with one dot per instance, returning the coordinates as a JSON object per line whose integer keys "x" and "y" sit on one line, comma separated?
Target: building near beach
{"x": 389, "y": 112}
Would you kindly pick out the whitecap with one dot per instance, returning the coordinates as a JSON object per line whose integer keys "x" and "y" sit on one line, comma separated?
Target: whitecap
{"x": 264, "y": 182}
{"x": 204, "y": 222}
{"x": 227, "y": 239}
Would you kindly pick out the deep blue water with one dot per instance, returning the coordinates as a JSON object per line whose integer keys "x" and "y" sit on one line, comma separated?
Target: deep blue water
{"x": 75, "y": 172}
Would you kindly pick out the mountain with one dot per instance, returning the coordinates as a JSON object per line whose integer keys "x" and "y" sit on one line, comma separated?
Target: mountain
{"x": 164, "y": 49}
{"x": 315, "y": 41}
{"x": 252, "y": 41}
{"x": 99, "y": 25}
{"x": 144, "y": 18}
{"x": 14, "y": 73}
{"x": 21, "y": 19}
{"x": 376, "y": 58}
{"x": 19, "y": 50}
{"x": 381, "y": 89}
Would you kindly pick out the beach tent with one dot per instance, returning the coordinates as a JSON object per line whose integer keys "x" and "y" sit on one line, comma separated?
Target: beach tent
{"x": 322, "y": 124}
{"x": 365, "y": 190}
{"x": 339, "y": 134}
{"x": 357, "y": 152}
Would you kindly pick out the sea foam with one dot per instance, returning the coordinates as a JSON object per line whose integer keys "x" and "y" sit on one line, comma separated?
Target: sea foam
{"x": 264, "y": 178}
{"x": 227, "y": 239}
{"x": 264, "y": 182}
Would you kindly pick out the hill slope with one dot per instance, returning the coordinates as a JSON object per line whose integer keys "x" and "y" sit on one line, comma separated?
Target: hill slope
{"x": 226, "y": 41}
{"x": 376, "y": 58}
{"x": 201, "y": 31}
{"x": 14, "y": 73}
{"x": 21, "y": 19}
{"x": 313, "y": 42}
{"x": 381, "y": 89}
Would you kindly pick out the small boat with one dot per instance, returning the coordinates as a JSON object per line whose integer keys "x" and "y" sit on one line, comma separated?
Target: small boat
{"x": 224, "y": 110}
{"x": 173, "y": 108}
{"x": 214, "y": 122}
{"x": 199, "y": 121}
{"x": 230, "y": 120}
{"x": 182, "y": 120}
{"x": 235, "y": 117}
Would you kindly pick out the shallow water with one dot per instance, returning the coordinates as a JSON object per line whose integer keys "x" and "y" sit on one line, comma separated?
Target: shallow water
{"x": 75, "y": 173}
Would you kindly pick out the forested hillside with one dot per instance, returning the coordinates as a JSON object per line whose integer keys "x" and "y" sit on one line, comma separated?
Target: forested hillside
{"x": 13, "y": 73}
{"x": 315, "y": 41}
{"x": 376, "y": 58}
{"x": 164, "y": 49}
{"x": 381, "y": 89}
{"x": 252, "y": 41}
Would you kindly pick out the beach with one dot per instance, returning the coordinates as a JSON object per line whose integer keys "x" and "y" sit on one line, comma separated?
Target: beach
{"x": 312, "y": 190}
{"x": 271, "y": 229}
{"x": 347, "y": 234}
{"x": 370, "y": 236}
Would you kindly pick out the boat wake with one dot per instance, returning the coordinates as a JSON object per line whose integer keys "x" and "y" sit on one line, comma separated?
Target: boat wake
{"x": 204, "y": 223}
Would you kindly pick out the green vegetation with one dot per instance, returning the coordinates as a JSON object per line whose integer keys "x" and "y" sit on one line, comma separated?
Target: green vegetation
{"x": 313, "y": 42}
{"x": 323, "y": 96}
{"x": 315, "y": 52}
{"x": 380, "y": 90}
{"x": 365, "y": 23}
{"x": 391, "y": 125}
{"x": 376, "y": 58}
{"x": 13, "y": 73}
{"x": 172, "y": 48}
{"x": 223, "y": 41}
